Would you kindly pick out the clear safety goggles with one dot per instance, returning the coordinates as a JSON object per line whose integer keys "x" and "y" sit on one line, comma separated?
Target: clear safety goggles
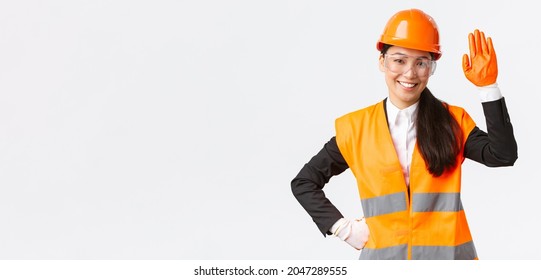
{"x": 400, "y": 64}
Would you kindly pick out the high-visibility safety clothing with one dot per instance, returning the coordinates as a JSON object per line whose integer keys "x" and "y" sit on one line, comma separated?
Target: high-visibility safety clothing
{"x": 424, "y": 221}
{"x": 412, "y": 29}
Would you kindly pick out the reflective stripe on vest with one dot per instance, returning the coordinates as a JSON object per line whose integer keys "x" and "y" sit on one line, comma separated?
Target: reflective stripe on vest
{"x": 436, "y": 202}
{"x": 431, "y": 223}
{"x": 399, "y": 252}
{"x": 422, "y": 202}
{"x": 384, "y": 204}
{"x": 464, "y": 251}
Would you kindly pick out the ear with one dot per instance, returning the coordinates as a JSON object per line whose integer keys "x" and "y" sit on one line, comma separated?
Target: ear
{"x": 381, "y": 63}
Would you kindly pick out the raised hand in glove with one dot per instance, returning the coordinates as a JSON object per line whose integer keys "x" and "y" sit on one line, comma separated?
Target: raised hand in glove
{"x": 482, "y": 69}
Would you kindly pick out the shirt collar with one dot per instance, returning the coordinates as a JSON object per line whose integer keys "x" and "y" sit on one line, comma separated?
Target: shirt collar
{"x": 392, "y": 112}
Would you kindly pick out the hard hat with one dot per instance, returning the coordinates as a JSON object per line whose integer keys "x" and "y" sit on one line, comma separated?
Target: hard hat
{"x": 412, "y": 29}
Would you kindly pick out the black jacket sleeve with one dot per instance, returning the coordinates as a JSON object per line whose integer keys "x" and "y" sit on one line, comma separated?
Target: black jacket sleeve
{"x": 307, "y": 186}
{"x": 498, "y": 147}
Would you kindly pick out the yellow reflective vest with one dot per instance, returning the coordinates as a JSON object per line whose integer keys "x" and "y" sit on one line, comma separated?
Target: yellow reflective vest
{"x": 426, "y": 222}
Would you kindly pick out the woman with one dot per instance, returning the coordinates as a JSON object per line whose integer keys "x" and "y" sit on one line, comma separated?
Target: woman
{"x": 406, "y": 151}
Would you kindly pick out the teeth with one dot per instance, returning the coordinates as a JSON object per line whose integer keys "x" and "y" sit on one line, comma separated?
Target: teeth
{"x": 407, "y": 84}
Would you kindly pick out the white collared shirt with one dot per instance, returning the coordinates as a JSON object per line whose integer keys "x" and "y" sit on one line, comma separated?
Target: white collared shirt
{"x": 403, "y": 132}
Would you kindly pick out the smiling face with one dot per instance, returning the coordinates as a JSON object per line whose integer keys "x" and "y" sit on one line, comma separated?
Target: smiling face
{"x": 405, "y": 87}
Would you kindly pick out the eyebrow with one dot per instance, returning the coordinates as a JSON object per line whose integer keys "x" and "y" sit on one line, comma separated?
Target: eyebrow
{"x": 399, "y": 53}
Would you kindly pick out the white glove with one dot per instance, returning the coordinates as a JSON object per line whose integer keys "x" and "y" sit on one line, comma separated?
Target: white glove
{"x": 354, "y": 232}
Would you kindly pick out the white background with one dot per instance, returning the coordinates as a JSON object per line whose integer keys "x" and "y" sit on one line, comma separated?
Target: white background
{"x": 172, "y": 129}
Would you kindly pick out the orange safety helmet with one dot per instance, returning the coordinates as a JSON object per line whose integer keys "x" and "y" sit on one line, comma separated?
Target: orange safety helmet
{"x": 412, "y": 29}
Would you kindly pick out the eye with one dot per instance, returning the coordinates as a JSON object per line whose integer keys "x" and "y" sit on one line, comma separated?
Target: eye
{"x": 399, "y": 61}
{"x": 422, "y": 63}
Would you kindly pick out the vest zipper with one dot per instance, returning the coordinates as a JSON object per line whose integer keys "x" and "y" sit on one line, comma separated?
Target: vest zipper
{"x": 410, "y": 221}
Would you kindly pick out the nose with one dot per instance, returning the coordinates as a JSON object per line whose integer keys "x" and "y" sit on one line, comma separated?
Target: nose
{"x": 410, "y": 73}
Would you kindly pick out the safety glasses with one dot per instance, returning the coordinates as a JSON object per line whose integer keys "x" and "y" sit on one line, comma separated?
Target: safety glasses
{"x": 401, "y": 64}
